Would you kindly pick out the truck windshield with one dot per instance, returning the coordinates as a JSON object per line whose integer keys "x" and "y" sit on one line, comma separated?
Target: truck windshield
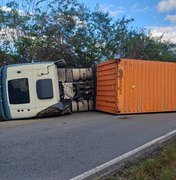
{"x": 18, "y": 90}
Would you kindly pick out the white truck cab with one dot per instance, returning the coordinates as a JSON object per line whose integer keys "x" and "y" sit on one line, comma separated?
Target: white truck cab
{"x": 37, "y": 89}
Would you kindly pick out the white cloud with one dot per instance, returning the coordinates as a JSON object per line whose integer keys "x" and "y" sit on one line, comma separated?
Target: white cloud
{"x": 114, "y": 12}
{"x": 79, "y": 23}
{"x": 137, "y": 8}
{"x": 166, "y": 5}
{"x": 7, "y": 37}
{"x": 171, "y": 18}
{"x": 7, "y": 9}
{"x": 169, "y": 33}
{"x": 8, "y": 34}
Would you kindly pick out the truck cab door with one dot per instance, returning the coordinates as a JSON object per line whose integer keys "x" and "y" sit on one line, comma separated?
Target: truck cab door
{"x": 19, "y": 94}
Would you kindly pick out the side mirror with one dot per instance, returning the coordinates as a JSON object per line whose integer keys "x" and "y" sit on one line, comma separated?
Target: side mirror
{"x": 60, "y": 63}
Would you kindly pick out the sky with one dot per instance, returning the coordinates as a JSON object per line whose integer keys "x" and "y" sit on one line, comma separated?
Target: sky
{"x": 157, "y": 15}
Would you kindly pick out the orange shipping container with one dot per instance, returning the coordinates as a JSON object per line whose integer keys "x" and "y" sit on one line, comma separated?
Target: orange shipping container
{"x": 136, "y": 86}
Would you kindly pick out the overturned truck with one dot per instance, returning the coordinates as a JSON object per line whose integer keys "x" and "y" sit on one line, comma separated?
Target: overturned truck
{"x": 42, "y": 89}
{"x": 122, "y": 86}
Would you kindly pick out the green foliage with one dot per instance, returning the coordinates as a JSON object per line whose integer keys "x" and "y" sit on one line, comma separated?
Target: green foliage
{"x": 7, "y": 58}
{"x": 67, "y": 29}
{"x": 161, "y": 167}
{"x": 141, "y": 45}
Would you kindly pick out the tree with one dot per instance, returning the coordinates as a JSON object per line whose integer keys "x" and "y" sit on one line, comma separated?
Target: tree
{"x": 67, "y": 29}
{"x": 141, "y": 45}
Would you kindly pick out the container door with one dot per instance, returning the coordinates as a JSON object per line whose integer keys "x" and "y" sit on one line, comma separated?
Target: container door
{"x": 106, "y": 96}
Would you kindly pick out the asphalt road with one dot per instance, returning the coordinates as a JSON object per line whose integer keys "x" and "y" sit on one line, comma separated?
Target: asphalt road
{"x": 63, "y": 147}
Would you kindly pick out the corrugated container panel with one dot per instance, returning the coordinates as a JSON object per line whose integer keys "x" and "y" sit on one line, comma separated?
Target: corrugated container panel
{"x": 136, "y": 86}
{"x": 106, "y": 86}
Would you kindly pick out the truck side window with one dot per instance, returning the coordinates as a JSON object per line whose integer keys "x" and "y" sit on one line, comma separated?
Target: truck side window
{"x": 18, "y": 90}
{"x": 44, "y": 89}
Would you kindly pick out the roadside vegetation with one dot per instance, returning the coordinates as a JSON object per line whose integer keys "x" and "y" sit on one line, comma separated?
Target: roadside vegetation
{"x": 47, "y": 30}
{"x": 162, "y": 167}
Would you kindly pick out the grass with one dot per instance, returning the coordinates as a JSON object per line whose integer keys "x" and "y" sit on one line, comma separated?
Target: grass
{"x": 162, "y": 167}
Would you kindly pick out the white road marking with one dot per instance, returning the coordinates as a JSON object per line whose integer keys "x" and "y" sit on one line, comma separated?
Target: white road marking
{"x": 122, "y": 157}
